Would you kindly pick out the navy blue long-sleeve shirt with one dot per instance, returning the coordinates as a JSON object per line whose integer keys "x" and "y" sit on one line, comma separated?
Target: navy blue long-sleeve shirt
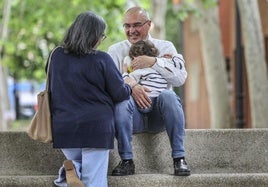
{"x": 84, "y": 90}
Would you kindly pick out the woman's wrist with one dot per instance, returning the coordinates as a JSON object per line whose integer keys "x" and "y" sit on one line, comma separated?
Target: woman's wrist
{"x": 132, "y": 86}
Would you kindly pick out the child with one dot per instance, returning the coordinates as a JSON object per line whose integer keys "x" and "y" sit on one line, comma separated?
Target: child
{"x": 147, "y": 77}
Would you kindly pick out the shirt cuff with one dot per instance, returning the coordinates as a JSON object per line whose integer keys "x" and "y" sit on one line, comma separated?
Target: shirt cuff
{"x": 159, "y": 62}
{"x": 124, "y": 75}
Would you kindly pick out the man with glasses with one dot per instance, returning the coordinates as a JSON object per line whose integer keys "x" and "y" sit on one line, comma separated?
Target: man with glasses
{"x": 167, "y": 113}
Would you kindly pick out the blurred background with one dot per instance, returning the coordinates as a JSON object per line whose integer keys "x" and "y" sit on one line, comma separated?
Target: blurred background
{"x": 224, "y": 43}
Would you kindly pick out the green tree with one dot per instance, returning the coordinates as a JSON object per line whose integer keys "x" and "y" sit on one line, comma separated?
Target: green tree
{"x": 36, "y": 27}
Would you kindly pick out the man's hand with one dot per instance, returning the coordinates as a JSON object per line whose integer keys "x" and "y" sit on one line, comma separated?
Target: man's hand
{"x": 141, "y": 62}
{"x": 140, "y": 96}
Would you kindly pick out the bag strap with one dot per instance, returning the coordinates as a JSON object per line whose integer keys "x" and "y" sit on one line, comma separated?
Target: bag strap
{"x": 48, "y": 66}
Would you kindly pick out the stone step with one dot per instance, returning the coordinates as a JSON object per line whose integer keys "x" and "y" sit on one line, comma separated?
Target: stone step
{"x": 225, "y": 157}
{"x": 195, "y": 180}
{"x": 207, "y": 151}
{"x": 153, "y": 180}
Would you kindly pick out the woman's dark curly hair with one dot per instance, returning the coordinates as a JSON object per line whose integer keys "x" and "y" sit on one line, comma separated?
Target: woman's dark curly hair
{"x": 143, "y": 48}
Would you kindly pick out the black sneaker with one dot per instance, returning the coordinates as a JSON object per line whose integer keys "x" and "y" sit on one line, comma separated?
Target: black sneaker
{"x": 124, "y": 168}
{"x": 181, "y": 168}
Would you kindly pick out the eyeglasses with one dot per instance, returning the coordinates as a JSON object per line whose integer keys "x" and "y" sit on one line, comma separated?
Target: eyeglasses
{"x": 103, "y": 37}
{"x": 137, "y": 25}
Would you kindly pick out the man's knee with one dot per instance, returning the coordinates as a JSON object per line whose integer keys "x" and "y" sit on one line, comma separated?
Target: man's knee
{"x": 123, "y": 106}
{"x": 169, "y": 100}
{"x": 168, "y": 95}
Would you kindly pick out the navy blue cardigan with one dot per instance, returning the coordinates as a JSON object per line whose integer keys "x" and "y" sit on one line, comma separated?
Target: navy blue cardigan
{"x": 84, "y": 90}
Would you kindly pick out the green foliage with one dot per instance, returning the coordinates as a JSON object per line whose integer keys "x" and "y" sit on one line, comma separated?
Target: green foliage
{"x": 209, "y": 3}
{"x": 172, "y": 21}
{"x": 182, "y": 10}
{"x": 35, "y": 27}
{"x": 188, "y": 7}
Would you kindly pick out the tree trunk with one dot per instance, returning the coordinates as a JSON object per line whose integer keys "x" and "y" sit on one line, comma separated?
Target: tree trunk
{"x": 214, "y": 65}
{"x": 255, "y": 61}
{"x": 159, "y": 8}
{"x": 3, "y": 79}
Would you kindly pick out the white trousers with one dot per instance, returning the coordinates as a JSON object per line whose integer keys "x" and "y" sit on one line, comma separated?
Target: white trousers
{"x": 91, "y": 166}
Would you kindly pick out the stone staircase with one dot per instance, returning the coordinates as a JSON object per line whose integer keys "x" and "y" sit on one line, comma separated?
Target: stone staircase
{"x": 220, "y": 158}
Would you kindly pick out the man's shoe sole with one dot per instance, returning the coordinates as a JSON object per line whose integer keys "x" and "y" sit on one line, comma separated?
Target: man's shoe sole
{"x": 125, "y": 174}
{"x": 183, "y": 173}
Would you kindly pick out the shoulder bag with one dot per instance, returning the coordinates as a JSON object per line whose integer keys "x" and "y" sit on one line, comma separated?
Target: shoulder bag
{"x": 40, "y": 126}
